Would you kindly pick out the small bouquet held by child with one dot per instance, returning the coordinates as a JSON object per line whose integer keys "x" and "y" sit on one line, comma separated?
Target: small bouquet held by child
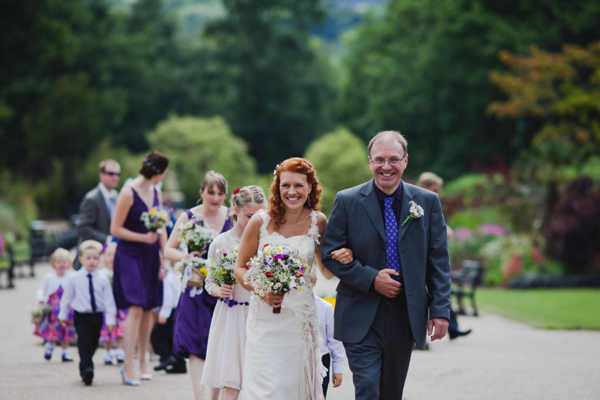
{"x": 38, "y": 313}
{"x": 276, "y": 269}
{"x": 222, "y": 268}
{"x": 156, "y": 219}
{"x": 193, "y": 270}
{"x": 196, "y": 234}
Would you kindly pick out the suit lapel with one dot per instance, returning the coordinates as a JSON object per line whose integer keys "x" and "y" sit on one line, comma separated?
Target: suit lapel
{"x": 407, "y": 196}
{"x": 371, "y": 204}
{"x": 102, "y": 202}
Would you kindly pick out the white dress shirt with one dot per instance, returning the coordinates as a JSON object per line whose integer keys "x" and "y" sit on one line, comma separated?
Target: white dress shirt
{"x": 77, "y": 295}
{"x": 50, "y": 284}
{"x": 108, "y": 195}
{"x": 325, "y": 315}
{"x": 171, "y": 294}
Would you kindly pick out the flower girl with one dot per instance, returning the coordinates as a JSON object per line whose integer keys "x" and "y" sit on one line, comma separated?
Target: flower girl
{"x": 227, "y": 337}
{"x": 116, "y": 336}
{"x": 48, "y": 296}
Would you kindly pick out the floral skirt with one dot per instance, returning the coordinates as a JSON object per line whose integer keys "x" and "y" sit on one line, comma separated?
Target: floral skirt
{"x": 118, "y": 332}
{"x": 49, "y": 328}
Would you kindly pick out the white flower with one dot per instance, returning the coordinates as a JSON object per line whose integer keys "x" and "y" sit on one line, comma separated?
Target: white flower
{"x": 415, "y": 211}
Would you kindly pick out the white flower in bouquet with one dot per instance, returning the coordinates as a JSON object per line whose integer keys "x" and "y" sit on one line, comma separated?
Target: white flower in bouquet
{"x": 276, "y": 269}
{"x": 156, "y": 219}
{"x": 196, "y": 234}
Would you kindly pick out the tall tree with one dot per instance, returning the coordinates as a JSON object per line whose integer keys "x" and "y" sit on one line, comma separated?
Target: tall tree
{"x": 264, "y": 76}
{"x": 423, "y": 68}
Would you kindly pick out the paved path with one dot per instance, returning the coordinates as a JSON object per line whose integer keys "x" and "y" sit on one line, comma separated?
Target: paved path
{"x": 501, "y": 359}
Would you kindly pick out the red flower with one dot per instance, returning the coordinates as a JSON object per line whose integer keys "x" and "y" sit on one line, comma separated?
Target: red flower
{"x": 299, "y": 275}
{"x": 236, "y": 191}
{"x": 269, "y": 274}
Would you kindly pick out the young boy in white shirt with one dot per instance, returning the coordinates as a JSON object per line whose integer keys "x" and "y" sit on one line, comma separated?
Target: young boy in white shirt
{"x": 333, "y": 350}
{"x": 89, "y": 294}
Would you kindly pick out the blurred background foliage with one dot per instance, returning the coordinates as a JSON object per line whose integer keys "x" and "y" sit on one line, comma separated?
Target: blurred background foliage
{"x": 501, "y": 99}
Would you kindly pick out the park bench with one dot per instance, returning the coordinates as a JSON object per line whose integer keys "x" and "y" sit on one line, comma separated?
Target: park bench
{"x": 465, "y": 282}
{"x": 42, "y": 245}
{"x": 8, "y": 261}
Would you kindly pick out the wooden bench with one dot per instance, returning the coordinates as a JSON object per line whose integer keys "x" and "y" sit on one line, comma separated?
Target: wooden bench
{"x": 7, "y": 265}
{"x": 465, "y": 282}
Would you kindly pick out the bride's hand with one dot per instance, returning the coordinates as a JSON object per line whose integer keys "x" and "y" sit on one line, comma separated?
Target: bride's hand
{"x": 343, "y": 255}
{"x": 194, "y": 254}
{"x": 273, "y": 299}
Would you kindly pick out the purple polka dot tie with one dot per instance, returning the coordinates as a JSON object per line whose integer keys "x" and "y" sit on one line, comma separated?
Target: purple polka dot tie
{"x": 392, "y": 260}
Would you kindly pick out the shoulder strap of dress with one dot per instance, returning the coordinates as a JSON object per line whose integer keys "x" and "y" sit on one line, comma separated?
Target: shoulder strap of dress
{"x": 313, "y": 231}
{"x": 266, "y": 219}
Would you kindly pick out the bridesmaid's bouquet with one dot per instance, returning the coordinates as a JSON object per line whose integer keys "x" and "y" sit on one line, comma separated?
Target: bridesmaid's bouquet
{"x": 196, "y": 234}
{"x": 222, "y": 267}
{"x": 192, "y": 270}
{"x": 156, "y": 219}
{"x": 38, "y": 312}
{"x": 276, "y": 269}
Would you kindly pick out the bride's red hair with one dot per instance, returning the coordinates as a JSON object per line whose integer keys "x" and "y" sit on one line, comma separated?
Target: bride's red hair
{"x": 301, "y": 166}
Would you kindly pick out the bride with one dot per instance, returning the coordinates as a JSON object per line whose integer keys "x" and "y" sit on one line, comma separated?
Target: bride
{"x": 283, "y": 356}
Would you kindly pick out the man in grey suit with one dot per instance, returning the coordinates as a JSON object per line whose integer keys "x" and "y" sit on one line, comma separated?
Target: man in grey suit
{"x": 397, "y": 288}
{"x": 98, "y": 205}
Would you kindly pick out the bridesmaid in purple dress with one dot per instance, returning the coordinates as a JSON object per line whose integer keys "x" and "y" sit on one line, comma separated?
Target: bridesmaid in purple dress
{"x": 194, "y": 311}
{"x": 137, "y": 264}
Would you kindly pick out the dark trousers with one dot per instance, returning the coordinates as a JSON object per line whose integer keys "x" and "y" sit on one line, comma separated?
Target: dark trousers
{"x": 87, "y": 326}
{"x": 161, "y": 338}
{"x": 379, "y": 362}
{"x": 453, "y": 323}
{"x": 326, "y": 360}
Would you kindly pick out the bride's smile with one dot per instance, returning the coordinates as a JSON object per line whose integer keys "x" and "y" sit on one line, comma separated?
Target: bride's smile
{"x": 294, "y": 189}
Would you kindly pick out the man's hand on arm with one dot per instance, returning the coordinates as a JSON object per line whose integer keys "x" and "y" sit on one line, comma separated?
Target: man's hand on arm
{"x": 385, "y": 285}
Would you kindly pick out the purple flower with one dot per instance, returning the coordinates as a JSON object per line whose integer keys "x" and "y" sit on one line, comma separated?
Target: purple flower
{"x": 463, "y": 233}
{"x": 492, "y": 229}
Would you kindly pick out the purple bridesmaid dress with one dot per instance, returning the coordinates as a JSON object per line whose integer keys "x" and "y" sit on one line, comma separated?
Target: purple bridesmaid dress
{"x": 193, "y": 316}
{"x": 136, "y": 265}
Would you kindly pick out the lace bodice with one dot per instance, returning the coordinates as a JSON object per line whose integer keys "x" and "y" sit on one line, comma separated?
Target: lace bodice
{"x": 305, "y": 244}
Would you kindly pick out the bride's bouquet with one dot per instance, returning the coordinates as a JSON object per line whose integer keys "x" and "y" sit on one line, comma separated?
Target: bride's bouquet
{"x": 196, "y": 234}
{"x": 276, "y": 269}
{"x": 155, "y": 219}
{"x": 193, "y": 271}
{"x": 222, "y": 267}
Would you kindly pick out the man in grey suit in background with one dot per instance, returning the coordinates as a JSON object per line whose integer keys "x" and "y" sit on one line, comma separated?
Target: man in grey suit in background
{"x": 98, "y": 205}
{"x": 397, "y": 288}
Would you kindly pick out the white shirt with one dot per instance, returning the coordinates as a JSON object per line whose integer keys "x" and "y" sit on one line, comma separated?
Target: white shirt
{"x": 50, "y": 284}
{"x": 325, "y": 315}
{"x": 77, "y": 295}
{"x": 171, "y": 294}
{"x": 108, "y": 195}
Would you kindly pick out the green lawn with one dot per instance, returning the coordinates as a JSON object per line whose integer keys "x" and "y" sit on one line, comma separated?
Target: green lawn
{"x": 546, "y": 308}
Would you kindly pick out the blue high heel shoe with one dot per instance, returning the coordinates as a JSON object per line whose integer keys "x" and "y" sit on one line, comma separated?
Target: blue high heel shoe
{"x": 129, "y": 382}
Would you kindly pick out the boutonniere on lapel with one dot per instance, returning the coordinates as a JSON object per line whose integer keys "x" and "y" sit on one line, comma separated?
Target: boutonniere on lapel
{"x": 415, "y": 211}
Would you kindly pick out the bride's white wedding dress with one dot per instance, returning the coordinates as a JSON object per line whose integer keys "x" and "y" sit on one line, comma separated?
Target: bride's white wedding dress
{"x": 283, "y": 356}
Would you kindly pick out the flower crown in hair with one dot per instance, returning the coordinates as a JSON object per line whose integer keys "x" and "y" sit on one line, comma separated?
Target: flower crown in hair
{"x": 276, "y": 169}
{"x": 152, "y": 166}
{"x": 236, "y": 191}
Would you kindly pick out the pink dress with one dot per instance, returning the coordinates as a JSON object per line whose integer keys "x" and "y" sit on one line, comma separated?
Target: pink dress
{"x": 227, "y": 337}
{"x": 49, "y": 328}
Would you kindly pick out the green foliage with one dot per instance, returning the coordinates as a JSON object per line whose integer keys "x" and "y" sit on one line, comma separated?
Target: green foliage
{"x": 197, "y": 145}
{"x": 548, "y": 309}
{"x": 340, "y": 159}
{"x": 264, "y": 77}
{"x": 473, "y": 217}
{"x": 17, "y": 207}
{"x": 423, "y": 68}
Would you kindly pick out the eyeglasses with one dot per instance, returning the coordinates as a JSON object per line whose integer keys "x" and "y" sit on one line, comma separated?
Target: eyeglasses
{"x": 110, "y": 173}
{"x": 394, "y": 161}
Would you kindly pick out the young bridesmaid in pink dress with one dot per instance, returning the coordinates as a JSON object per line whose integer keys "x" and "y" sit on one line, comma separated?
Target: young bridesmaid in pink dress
{"x": 49, "y": 295}
{"x": 227, "y": 337}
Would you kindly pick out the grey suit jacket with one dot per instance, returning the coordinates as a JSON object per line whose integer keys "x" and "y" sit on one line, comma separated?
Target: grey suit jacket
{"x": 356, "y": 222}
{"x": 93, "y": 221}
